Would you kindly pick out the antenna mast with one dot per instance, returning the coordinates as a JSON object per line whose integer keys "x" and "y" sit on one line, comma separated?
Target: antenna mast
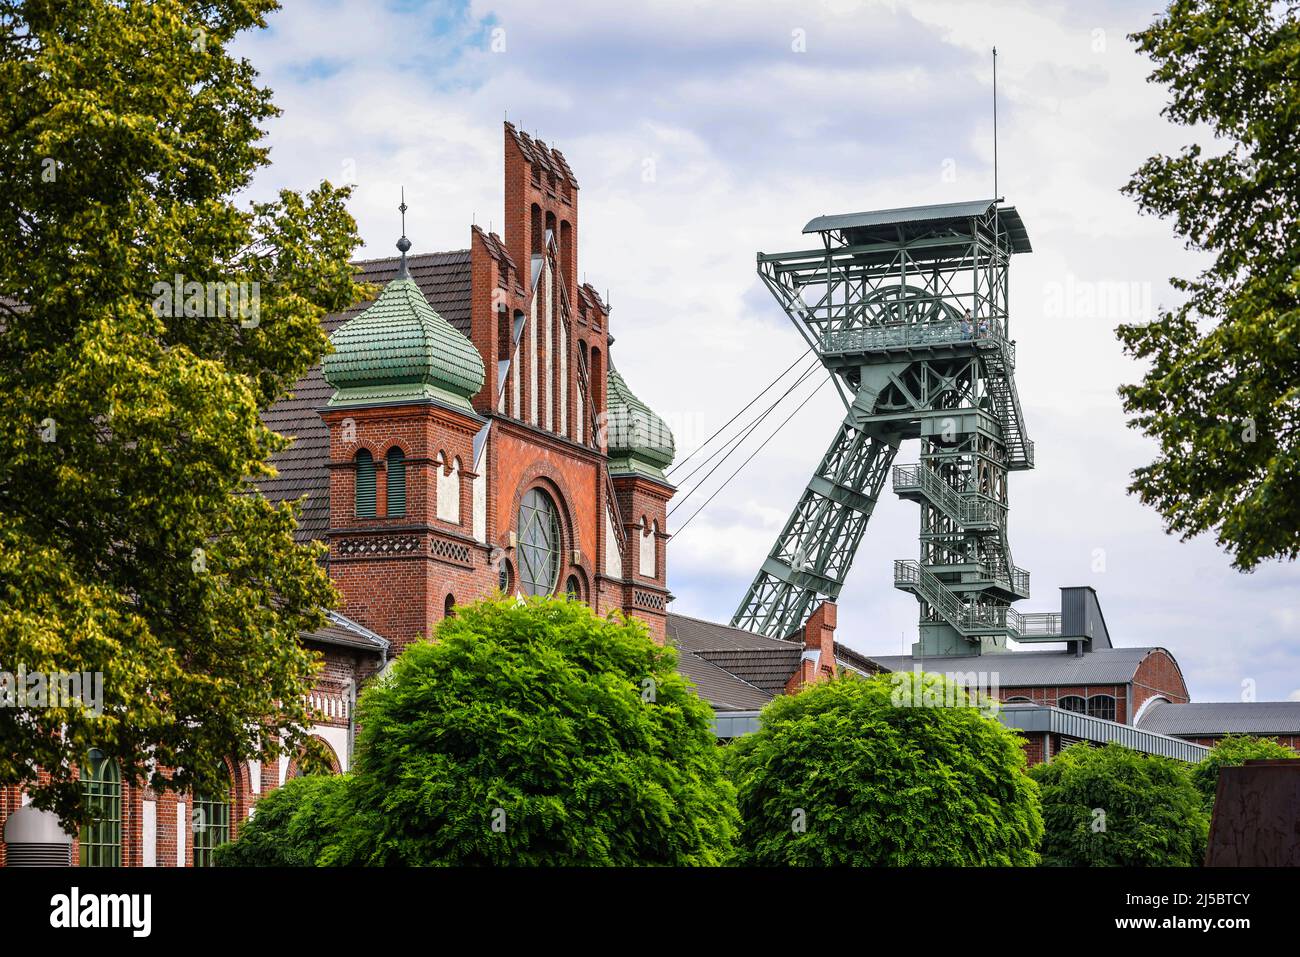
{"x": 996, "y": 195}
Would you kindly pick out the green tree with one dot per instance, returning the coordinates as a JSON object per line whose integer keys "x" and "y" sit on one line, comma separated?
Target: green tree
{"x": 536, "y": 733}
{"x": 129, "y": 417}
{"x": 1232, "y": 750}
{"x": 1222, "y": 392}
{"x": 1114, "y": 807}
{"x": 292, "y": 825}
{"x": 896, "y": 770}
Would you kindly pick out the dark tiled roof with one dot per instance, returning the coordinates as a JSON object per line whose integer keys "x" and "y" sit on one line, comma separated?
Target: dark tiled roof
{"x": 723, "y": 690}
{"x": 1222, "y": 717}
{"x": 759, "y": 662}
{"x": 444, "y": 278}
{"x": 766, "y": 668}
{"x": 695, "y": 634}
{"x": 1034, "y": 668}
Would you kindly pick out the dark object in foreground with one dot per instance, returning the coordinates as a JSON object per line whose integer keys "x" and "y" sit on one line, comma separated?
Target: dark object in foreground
{"x": 1256, "y": 816}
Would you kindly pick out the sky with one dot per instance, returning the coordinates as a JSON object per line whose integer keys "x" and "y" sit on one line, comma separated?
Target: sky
{"x": 704, "y": 132}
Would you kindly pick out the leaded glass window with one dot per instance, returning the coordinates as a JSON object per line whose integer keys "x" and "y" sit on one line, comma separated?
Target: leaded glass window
{"x": 1072, "y": 702}
{"x": 210, "y": 823}
{"x": 539, "y": 544}
{"x": 1102, "y": 706}
{"x": 101, "y": 788}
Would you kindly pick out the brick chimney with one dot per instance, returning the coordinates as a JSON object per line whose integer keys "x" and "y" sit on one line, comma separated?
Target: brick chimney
{"x": 818, "y": 660}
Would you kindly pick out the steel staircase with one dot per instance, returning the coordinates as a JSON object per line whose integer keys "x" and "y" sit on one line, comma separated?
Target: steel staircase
{"x": 999, "y": 363}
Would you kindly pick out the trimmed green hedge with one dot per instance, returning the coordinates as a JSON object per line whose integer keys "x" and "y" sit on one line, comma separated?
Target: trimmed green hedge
{"x": 1114, "y": 807}
{"x": 879, "y": 771}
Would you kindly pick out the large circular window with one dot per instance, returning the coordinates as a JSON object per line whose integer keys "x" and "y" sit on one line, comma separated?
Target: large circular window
{"x": 539, "y": 543}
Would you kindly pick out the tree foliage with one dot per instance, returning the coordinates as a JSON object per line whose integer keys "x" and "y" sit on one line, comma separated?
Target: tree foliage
{"x": 1113, "y": 807}
{"x": 128, "y": 428}
{"x": 880, "y": 771}
{"x": 1222, "y": 392}
{"x": 1232, "y": 750}
{"x": 536, "y": 733}
{"x": 292, "y": 826}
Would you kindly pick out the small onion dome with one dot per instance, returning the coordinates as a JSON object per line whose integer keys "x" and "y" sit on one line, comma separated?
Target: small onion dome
{"x": 400, "y": 349}
{"x": 638, "y": 440}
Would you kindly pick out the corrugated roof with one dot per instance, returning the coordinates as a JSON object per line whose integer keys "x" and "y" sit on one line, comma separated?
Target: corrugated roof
{"x": 444, "y": 278}
{"x": 1222, "y": 717}
{"x": 723, "y": 690}
{"x": 1034, "y": 668}
{"x": 934, "y": 214}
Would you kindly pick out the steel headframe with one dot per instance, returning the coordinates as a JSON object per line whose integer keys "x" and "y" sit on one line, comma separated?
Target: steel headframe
{"x": 908, "y": 309}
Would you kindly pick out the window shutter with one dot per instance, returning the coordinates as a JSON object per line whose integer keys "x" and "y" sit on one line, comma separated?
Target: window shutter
{"x": 396, "y": 482}
{"x": 365, "y": 485}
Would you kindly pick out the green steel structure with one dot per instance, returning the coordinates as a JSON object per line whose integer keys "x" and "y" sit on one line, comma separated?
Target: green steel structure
{"x": 908, "y": 309}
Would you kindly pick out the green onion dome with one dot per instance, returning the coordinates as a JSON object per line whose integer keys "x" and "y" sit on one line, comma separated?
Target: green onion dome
{"x": 638, "y": 440}
{"x": 401, "y": 349}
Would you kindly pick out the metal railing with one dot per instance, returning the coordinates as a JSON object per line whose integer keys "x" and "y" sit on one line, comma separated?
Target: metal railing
{"x": 907, "y": 335}
{"x": 1035, "y": 624}
{"x": 967, "y": 508}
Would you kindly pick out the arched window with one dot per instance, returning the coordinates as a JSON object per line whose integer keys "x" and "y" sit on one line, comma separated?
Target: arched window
{"x": 1018, "y": 699}
{"x": 504, "y": 577}
{"x": 365, "y": 484}
{"x": 210, "y": 822}
{"x": 449, "y": 607}
{"x": 539, "y": 543}
{"x": 1072, "y": 702}
{"x": 1102, "y": 706}
{"x": 573, "y": 588}
{"x": 101, "y": 789}
{"x": 396, "y": 467}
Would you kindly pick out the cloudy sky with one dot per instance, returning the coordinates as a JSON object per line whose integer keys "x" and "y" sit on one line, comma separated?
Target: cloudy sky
{"x": 703, "y": 132}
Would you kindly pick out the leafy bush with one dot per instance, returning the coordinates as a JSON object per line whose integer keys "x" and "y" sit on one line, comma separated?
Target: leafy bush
{"x": 1230, "y": 751}
{"x": 536, "y": 733}
{"x": 291, "y": 827}
{"x": 867, "y": 771}
{"x": 1114, "y": 807}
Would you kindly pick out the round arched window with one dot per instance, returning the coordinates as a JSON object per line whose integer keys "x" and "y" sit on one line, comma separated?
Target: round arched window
{"x": 504, "y": 577}
{"x": 539, "y": 544}
{"x": 573, "y": 588}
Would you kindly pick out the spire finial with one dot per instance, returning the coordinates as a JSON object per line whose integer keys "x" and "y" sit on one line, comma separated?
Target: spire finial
{"x": 403, "y": 244}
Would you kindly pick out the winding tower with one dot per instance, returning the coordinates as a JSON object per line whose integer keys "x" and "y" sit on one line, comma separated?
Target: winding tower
{"x": 907, "y": 308}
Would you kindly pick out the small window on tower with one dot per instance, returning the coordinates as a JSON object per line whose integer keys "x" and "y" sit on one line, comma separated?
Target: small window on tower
{"x": 396, "y": 468}
{"x": 365, "y": 476}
